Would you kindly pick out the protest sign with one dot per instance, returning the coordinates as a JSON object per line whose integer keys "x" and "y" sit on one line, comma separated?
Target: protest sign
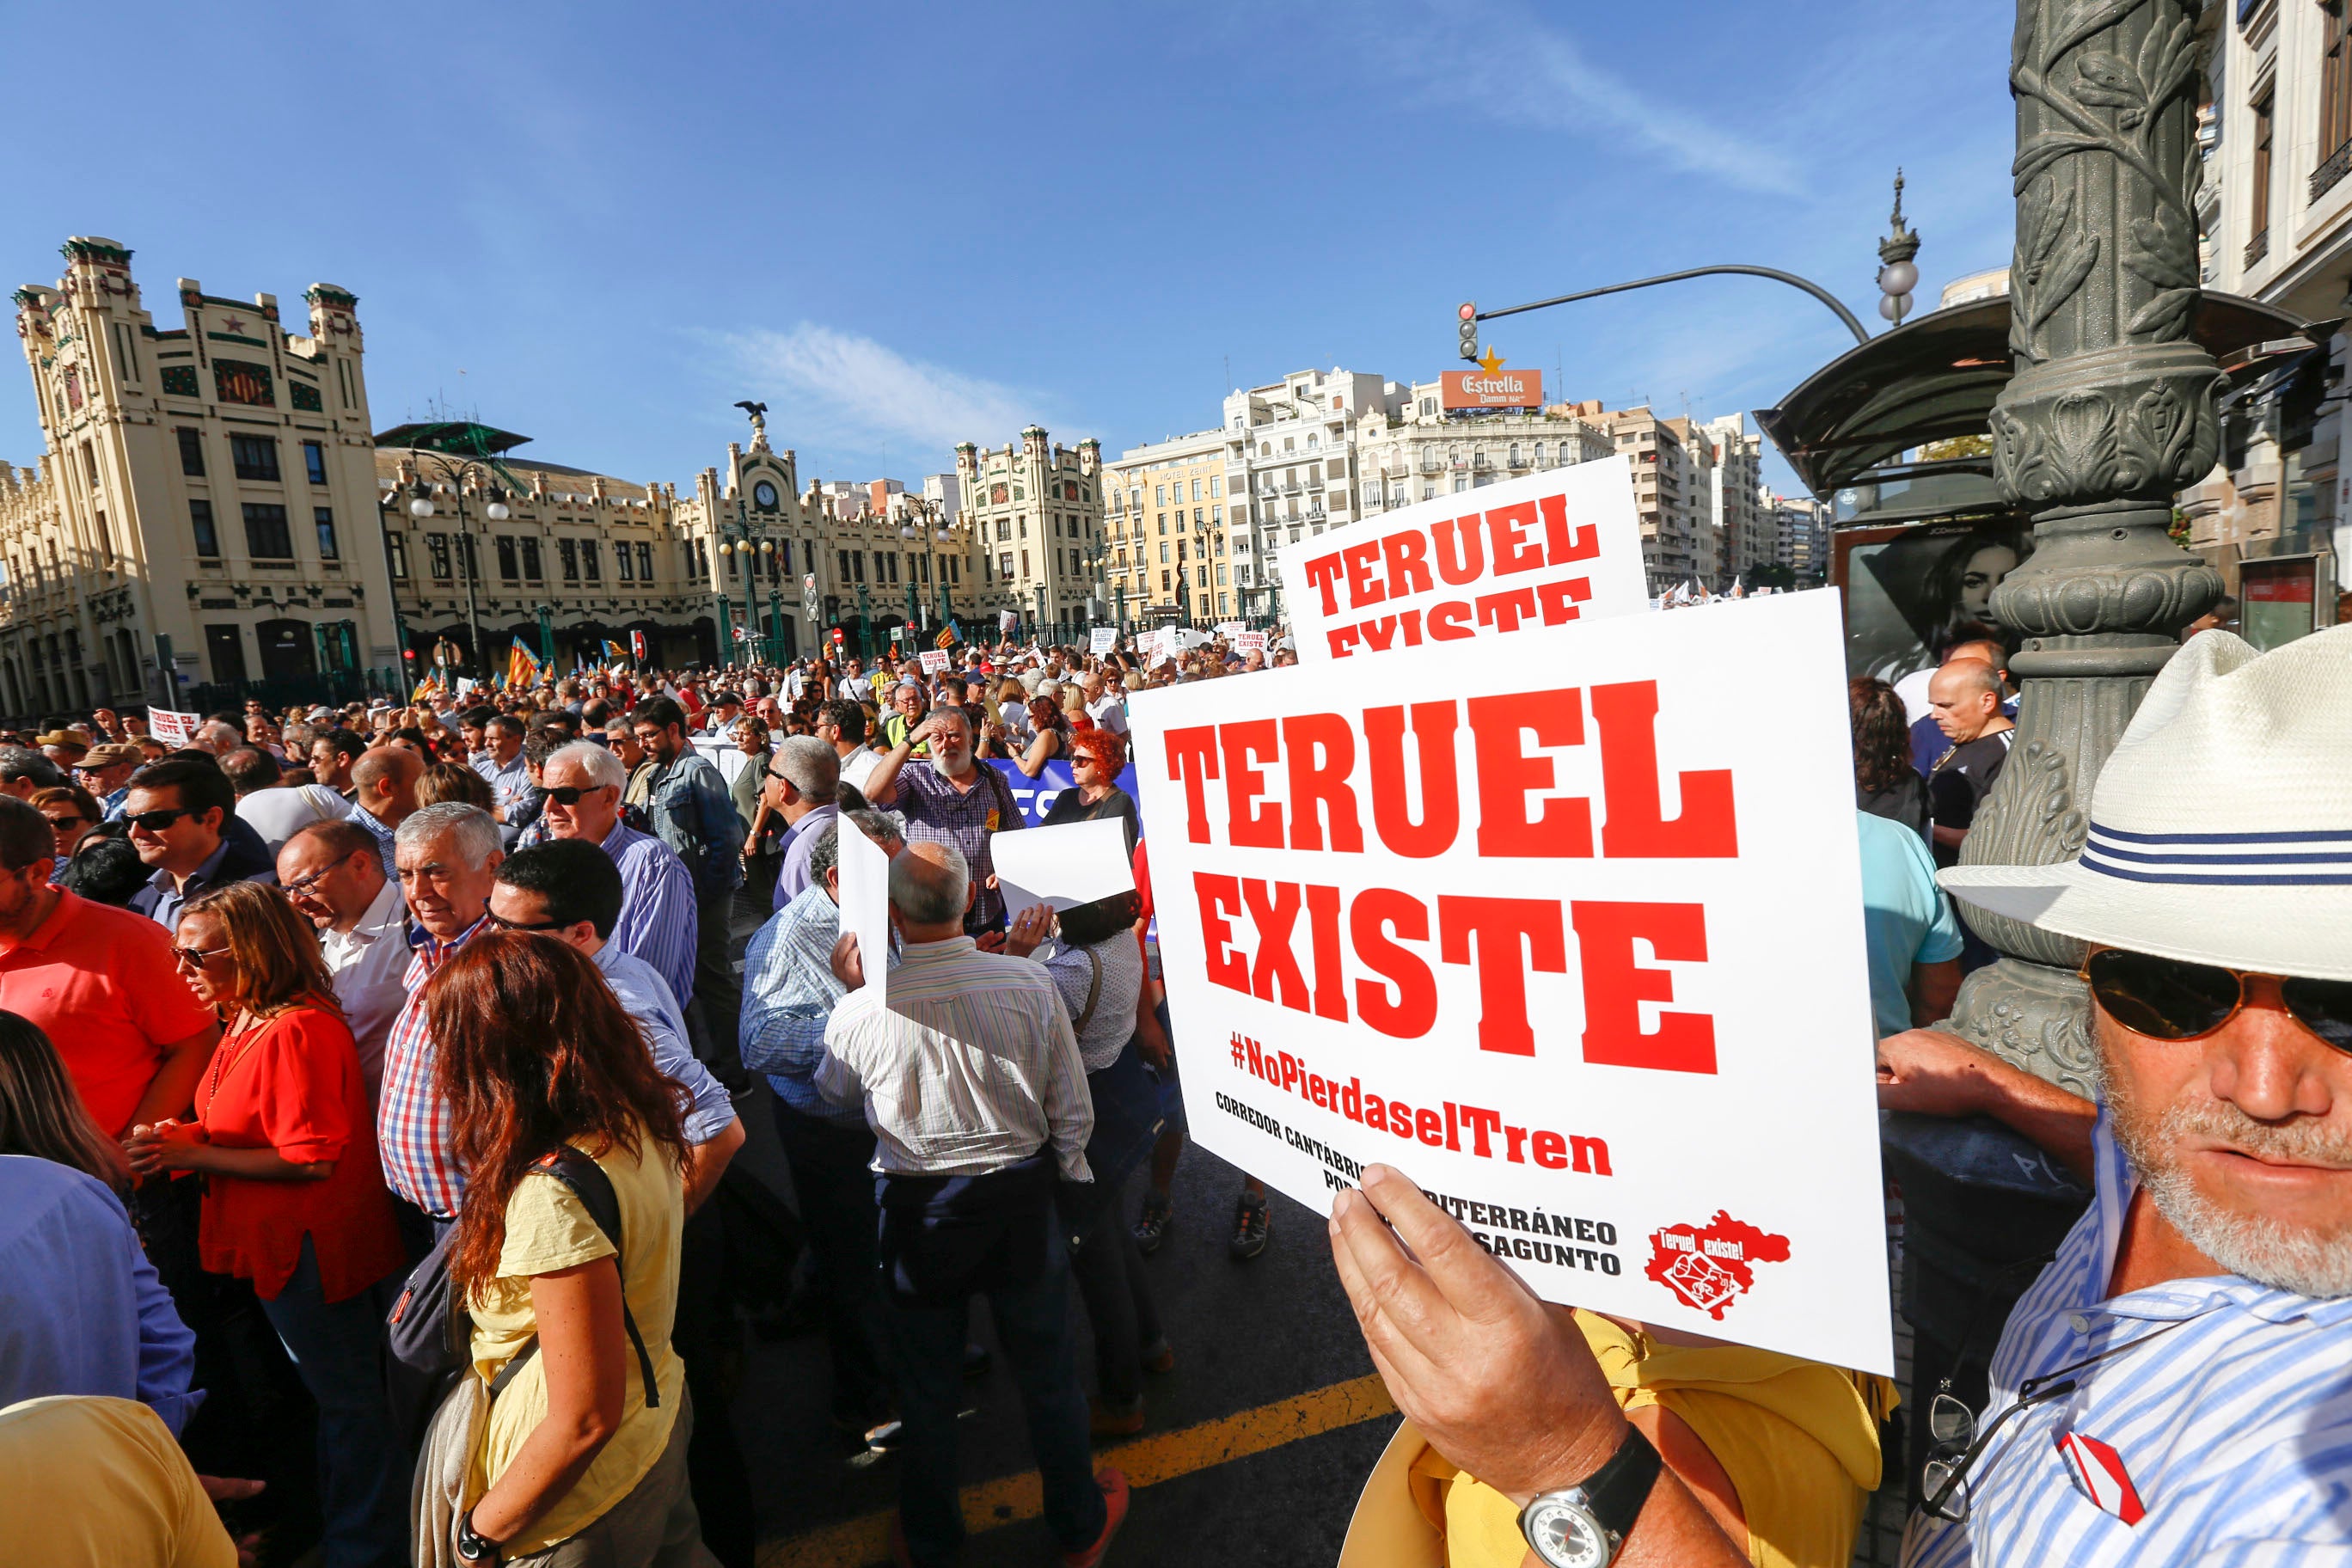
{"x": 1103, "y": 639}
{"x": 1230, "y": 628}
{"x": 173, "y": 729}
{"x": 934, "y": 660}
{"x": 1247, "y": 643}
{"x": 1036, "y": 796}
{"x": 1007, "y": 621}
{"x": 1553, "y": 547}
{"x": 1577, "y": 952}
{"x": 863, "y": 893}
{"x": 1066, "y": 865}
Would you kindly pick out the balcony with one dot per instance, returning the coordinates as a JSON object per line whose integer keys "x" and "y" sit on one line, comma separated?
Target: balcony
{"x": 2257, "y": 247}
{"x": 2324, "y": 178}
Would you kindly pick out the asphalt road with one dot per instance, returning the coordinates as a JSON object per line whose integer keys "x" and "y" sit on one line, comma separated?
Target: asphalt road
{"x": 1256, "y": 1446}
{"x": 1261, "y": 1341}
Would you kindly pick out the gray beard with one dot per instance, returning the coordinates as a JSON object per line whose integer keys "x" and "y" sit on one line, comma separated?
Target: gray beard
{"x": 2258, "y": 1246}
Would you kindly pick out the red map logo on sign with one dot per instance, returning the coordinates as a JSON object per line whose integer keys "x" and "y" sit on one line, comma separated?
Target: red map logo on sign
{"x": 1710, "y": 1266}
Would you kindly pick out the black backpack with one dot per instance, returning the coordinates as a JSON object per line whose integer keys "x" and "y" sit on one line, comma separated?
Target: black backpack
{"x": 427, "y": 1331}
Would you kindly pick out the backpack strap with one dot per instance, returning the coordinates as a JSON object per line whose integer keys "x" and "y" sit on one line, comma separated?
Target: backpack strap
{"x": 593, "y": 1188}
{"x": 1094, "y": 992}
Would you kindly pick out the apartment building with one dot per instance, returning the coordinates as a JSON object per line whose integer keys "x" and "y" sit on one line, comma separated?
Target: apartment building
{"x": 1165, "y": 529}
{"x": 1035, "y": 508}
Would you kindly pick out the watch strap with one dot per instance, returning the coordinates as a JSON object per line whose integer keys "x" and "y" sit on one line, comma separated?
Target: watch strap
{"x": 1618, "y": 1490}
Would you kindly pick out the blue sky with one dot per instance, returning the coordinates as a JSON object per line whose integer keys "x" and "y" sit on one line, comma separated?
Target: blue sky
{"x": 903, "y": 226}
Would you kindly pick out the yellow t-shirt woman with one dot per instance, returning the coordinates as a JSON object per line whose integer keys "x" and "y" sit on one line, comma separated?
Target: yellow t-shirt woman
{"x": 547, "y": 1231}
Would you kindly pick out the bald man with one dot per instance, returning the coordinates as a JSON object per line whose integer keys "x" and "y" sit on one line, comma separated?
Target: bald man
{"x": 1965, "y": 699}
{"x": 1927, "y": 740}
{"x": 384, "y": 795}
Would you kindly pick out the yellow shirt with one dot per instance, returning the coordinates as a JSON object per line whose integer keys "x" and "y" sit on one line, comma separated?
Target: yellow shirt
{"x": 1798, "y": 1439}
{"x": 115, "y": 1490}
{"x": 548, "y": 1230}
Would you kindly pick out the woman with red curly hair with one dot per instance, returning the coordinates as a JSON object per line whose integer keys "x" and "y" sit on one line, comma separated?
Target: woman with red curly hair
{"x": 580, "y": 1461}
{"x": 1095, "y": 757}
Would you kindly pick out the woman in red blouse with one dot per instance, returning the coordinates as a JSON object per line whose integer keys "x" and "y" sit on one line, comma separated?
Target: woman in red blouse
{"x": 294, "y": 1197}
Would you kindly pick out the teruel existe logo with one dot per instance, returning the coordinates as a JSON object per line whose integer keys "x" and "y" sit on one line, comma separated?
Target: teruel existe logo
{"x": 1710, "y": 1266}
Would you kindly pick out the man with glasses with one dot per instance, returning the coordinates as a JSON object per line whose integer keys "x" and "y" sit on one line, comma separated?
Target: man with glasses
{"x": 658, "y": 921}
{"x": 802, "y": 787}
{"x": 332, "y": 873}
{"x": 106, "y": 774}
{"x": 954, "y": 799}
{"x": 449, "y": 859}
{"x": 179, "y": 811}
{"x": 2174, "y": 1387}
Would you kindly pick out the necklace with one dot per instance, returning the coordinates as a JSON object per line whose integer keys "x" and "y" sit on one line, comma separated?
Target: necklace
{"x": 222, "y": 1061}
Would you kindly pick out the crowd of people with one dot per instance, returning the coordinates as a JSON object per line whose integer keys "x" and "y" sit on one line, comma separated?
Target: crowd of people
{"x": 341, "y": 1049}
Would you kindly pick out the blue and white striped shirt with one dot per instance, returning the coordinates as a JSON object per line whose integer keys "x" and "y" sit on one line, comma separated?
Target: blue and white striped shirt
{"x": 658, "y": 919}
{"x": 2235, "y": 1427}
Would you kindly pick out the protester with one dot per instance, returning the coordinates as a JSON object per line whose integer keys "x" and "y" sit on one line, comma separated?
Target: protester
{"x": 907, "y": 711}
{"x": 570, "y": 892}
{"x": 802, "y": 790}
{"x": 582, "y": 1458}
{"x": 274, "y": 808}
{"x": 1911, "y": 942}
{"x": 841, "y": 724}
{"x": 789, "y": 995}
{"x": 72, "y": 812}
{"x": 449, "y": 858}
{"x": 1884, "y": 782}
{"x": 453, "y": 781}
{"x": 952, "y": 799}
{"x": 1964, "y": 696}
{"x": 333, "y": 874}
{"x": 384, "y": 786}
{"x": 658, "y": 918}
{"x": 750, "y": 740}
{"x": 1097, "y": 756}
{"x": 81, "y": 1308}
{"x": 1098, "y": 971}
{"x": 499, "y": 760}
{"x": 973, "y": 1085}
{"x": 1049, "y": 731}
{"x": 106, "y": 773}
{"x": 294, "y": 1199}
{"x": 1927, "y": 739}
{"x": 331, "y": 756}
{"x": 102, "y": 1485}
{"x": 2170, "y": 1355}
{"x": 179, "y": 811}
{"x": 688, "y": 806}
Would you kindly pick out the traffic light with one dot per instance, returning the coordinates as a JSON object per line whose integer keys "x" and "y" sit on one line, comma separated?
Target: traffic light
{"x": 1469, "y": 314}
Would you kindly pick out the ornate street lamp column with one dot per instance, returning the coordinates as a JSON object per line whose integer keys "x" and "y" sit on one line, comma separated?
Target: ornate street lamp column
{"x": 2111, "y": 412}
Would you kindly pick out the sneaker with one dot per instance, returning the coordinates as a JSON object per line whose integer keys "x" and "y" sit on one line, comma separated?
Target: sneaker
{"x": 1160, "y": 1356}
{"x": 1108, "y": 1418}
{"x": 1157, "y": 1215}
{"x": 1252, "y": 1221}
{"x": 1113, "y": 1485}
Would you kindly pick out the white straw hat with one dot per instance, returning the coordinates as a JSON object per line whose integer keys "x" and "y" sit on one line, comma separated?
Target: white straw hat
{"x": 2221, "y": 830}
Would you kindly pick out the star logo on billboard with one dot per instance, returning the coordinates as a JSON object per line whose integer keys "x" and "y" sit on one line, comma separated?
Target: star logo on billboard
{"x": 1494, "y": 362}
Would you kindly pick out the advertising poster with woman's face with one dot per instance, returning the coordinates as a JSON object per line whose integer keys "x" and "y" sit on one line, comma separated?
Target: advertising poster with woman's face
{"x": 1910, "y": 597}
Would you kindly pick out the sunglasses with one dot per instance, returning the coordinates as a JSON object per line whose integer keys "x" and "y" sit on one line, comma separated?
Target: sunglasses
{"x": 193, "y": 957}
{"x": 504, "y": 924}
{"x": 156, "y": 821}
{"x": 569, "y": 794}
{"x": 2167, "y": 999}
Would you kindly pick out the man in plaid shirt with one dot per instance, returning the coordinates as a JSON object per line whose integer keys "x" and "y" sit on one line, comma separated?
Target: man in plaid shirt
{"x": 952, "y": 799}
{"x": 449, "y": 856}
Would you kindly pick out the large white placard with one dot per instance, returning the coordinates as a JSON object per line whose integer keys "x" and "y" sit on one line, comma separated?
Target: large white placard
{"x": 1574, "y": 946}
{"x": 1553, "y": 547}
{"x": 863, "y": 893}
{"x": 935, "y": 660}
{"x": 1102, "y": 639}
{"x": 1066, "y": 865}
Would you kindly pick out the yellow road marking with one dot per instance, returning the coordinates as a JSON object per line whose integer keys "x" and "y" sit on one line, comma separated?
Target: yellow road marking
{"x": 1147, "y": 1461}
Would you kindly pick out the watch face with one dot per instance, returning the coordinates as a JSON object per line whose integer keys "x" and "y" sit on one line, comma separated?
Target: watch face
{"x": 1566, "y": 1536}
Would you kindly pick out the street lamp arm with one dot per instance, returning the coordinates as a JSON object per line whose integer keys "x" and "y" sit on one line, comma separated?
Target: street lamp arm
{"x": 1815, "y": 289}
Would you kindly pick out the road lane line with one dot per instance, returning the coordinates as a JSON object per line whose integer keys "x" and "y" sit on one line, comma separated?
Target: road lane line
{"x": 1165, "y": 1457}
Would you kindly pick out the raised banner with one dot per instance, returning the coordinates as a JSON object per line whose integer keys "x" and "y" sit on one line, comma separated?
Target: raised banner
{"x": 1578, "y": 953}
{"x": 935, "y": 660}
{"x": 1102, "y": 639}
{"x": 171, "y": 727}
{"x": 1554, "y": 547}
{"x": 1036, "y": 796}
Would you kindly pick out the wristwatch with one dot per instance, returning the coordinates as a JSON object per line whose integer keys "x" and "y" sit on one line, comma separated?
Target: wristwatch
{"x": 1584, "y": 1526}
{"x": 473, "y": 1548}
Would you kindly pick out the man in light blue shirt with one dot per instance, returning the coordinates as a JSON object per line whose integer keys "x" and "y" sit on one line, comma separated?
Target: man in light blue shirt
{"x": 1913, "y": 940}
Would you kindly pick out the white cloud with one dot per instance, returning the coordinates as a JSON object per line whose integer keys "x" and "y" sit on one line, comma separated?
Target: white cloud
{"x": 850, "y": 392}
{"x": 1499, "y": 60}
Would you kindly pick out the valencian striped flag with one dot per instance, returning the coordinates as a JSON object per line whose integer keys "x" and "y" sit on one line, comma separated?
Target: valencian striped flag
{"x": 523, "y": 664}
{"x": 615, "y": 652}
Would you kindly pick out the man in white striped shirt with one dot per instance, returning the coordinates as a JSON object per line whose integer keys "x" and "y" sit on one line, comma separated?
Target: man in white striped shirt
{"x": 972, "y": 1082}
{"x": 2177, "y": 1386}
